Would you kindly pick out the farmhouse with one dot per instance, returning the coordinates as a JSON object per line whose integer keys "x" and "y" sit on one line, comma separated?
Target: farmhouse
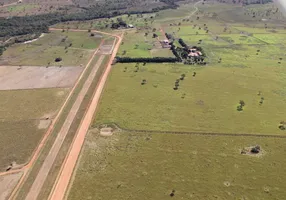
{"x": 194, "y": 52}
{"x": 165, "y": 43}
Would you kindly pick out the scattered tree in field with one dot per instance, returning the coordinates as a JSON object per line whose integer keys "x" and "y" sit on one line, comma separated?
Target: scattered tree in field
{"x": 261, "y": 101}
{"x": 92, "y": 35}
{"x": 194, "y": 74}
{"x": 255, "y": 149}
{"x": 144, "y": 81}
{"x": 59, "y": 59}
{"x": 182, "y": 77}
{"x": 282, "y": 125}
{"x": 155, "y": 35}
{"x": 241, "y": 105}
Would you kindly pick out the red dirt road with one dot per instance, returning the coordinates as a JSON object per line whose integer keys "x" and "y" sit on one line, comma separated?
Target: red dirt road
{"x": 49, "y": 160}
{"x": 61, "y": 186}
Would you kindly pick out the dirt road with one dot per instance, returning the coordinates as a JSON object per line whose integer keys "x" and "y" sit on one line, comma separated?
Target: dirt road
{"x": 61, "y": 186}
{"x": 49, "y": 161}
{"x": 10, "y": 4}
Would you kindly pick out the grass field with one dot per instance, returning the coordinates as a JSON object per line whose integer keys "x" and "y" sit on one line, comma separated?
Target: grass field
{"x": 75, "y": 48}
{"x": 23, "y": 121}
{"x": 31, "y": 104}
{"x": 137, "y": 44}
{"x": 244, "y": 63}
{"x": 149, "y": 166}
{"x": 209, "y": 103}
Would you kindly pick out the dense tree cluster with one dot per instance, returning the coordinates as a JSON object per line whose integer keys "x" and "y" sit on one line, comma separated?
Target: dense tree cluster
{"x": 118, "y": 24}
{"x": 146, "y": 60}
{"x": 39, "y": 23}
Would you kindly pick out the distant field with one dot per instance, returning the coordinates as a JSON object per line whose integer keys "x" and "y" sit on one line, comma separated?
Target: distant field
{"x": 31, "y": 104}
{"x": 243, "y": 63}
{"x": 24, "y": 120}
{"x": 137, "y": 44}
{"x": 205, "y": 103}
{"x": 24, "y": 54}
{"x": 75, "y": 49}
{"x": 149, "y": 166}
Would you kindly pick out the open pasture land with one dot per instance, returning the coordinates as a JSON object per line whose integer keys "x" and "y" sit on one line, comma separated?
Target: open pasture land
{"x": 204, "y": 103}
{"x": 240, "y": 67}
{"x": 150, "y": 166}
{"x": 12, "y": 77}
{"x": 25, "y": 115}
{"x": 138, "y": 44}
{"x": 75, "y": 49}
{"x": 34, "y": 7}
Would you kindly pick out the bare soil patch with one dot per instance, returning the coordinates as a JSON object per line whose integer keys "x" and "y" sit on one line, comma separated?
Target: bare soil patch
{"x": 26, "y": 77}
{"x": 43, "y": 124}
{"x": 106, "y": 132}
{"x": 7, "y": 183}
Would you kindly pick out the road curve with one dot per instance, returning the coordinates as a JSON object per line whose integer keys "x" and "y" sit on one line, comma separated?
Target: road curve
{"x": 60, "y": 187}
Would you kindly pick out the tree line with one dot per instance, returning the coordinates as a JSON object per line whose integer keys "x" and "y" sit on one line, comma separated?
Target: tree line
{"x": 39, "y": 23}
{"x": 146, "y": 60}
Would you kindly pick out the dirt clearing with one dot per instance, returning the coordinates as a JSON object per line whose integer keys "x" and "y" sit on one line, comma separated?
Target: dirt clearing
{"x": 13, "y": 78}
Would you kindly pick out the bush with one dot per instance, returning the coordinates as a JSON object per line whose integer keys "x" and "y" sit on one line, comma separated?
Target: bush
{"x": 59, "y": 59}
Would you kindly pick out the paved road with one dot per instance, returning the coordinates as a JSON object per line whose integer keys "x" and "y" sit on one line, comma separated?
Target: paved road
{"x": 67, "y": 169}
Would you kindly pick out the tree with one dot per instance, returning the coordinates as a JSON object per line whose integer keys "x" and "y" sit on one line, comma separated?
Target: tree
{"x": 155, "y": 35}
{"x": 59, "y": 59}
{"x": 242, "y": 103}
{"x": 144, "y": 81}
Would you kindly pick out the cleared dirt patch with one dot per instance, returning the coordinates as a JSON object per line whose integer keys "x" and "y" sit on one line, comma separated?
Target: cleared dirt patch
{"x": 12, "y": 77}
{"x": 7, "y": 183}
{"x": 106, "y": 132}
{"x": 43, "y": 124}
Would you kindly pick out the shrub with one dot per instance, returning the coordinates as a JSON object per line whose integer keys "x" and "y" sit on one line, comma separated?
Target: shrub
{"x": 59, "y": 59}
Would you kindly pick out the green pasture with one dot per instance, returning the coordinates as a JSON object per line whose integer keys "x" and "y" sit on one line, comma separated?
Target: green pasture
{"x": 194, "y": 40}
{"x": 44, "y": 55}
{"x": 21, "y": 127}
{"x": 150, "y": 166}
{"x": 31, "y": 104}
{"x": 272, "y": 38}
{"x": 81, "y": 40}
{"x": 136, "y": 45}
{"x": 240, "y": 39}
{"x": 18, "y": 141}
{"x": 20, "y": 8}
{"x": 205, "y": 103}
